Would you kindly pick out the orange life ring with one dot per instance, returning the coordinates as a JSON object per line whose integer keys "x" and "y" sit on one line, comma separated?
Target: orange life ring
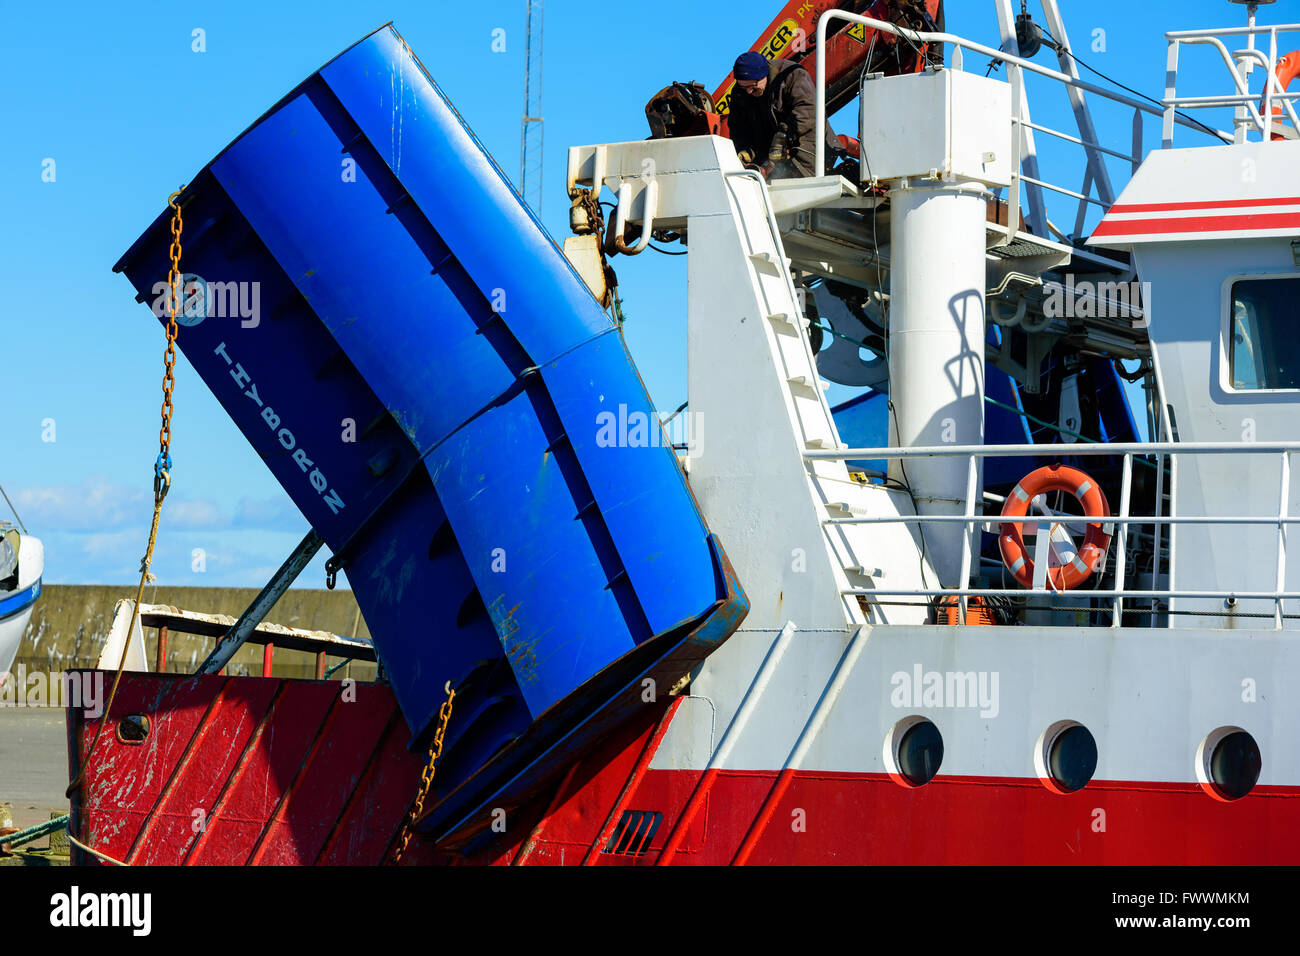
{"x": 1011, "y": 541}
{"x": 1287, "y": 69}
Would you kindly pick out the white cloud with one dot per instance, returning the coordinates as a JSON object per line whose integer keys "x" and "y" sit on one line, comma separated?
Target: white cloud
{"x": 97, "y": 505}
{"x": 230, "y": 558}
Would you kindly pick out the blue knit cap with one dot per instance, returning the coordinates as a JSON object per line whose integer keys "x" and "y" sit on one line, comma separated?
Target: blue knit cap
{"x": 750, "y": 66}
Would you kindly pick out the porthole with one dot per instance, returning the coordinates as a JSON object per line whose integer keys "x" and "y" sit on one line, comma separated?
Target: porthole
{"x": 1228, "y": 763}
{"x": 913, "y": 751}
{"x": 1066, "y": 757}
{"x": 133, "y": 729}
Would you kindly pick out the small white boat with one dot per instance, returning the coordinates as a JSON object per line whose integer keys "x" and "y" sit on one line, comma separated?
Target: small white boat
{"x": 22, "y": 561}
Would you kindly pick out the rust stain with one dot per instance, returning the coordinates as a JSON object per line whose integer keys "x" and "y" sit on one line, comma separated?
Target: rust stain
{"x": 520, "y": 652}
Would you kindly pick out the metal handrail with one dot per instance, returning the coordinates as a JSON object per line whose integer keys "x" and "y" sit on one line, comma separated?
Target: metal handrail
{"x": 1232, "y": 31}
{"x": 1248, "y": 114}
{"x": 1053, "y": 592}
{"x": 1086, "y": 144}
{"x": 1063, "y": 191}
{"x": 1067, "y": 519}
{"x": 1281, "y": 519}
{"x": 960, "y": 43}
{"x": 1098, "y": 448}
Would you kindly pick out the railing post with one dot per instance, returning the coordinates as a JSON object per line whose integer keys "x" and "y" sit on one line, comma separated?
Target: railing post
{"x": 1121, "y": 553}
{"x": 1157, "y": 534}
{"x": 160, "y": 661}
{"x": 1013, "y": 194}
{"x": 971, "y": 530}
{"x": 1042, "y": 553}
{"x": 1137, "y": 140}
{"x": 1269, "y": 78}
{"x": 268, "y": 657}
{"x": 1285, "y": 496}
{"x": 1028, "y": 155}
{"x": 1171, "y": 83}
{"x": 1081, "y": 216}
{"x": 1173, "y": 527}
{"x": 819, "y": 99}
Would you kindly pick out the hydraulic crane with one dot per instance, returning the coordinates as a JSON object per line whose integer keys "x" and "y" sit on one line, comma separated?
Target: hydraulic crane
{"x": 688, "y": 109}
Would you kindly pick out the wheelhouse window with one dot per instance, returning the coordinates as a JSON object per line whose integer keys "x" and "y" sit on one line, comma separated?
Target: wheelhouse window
{"x": 1264, "y": 349}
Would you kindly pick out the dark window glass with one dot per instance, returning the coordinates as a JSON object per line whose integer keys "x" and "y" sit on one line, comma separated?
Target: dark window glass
{"x": 1264, "y": 351}
{"x": 1073, "y": 758}
{"x": 1235, "y": 764}
{"x": 920, "y": 752}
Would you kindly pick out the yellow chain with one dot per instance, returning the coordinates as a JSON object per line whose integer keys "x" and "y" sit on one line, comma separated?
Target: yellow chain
{"x": 426, "y": 776}
{"x": 175, "y": 287}
{"x": 161, "y": 481}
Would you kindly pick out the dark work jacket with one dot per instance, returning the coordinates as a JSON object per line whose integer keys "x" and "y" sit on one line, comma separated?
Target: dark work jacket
{"x": 789, "y": 103}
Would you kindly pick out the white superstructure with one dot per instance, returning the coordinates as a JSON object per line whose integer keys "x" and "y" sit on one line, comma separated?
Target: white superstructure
{"x": 833, "y": 665}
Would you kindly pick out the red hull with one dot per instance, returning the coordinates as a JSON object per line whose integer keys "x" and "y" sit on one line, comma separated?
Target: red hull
{"x": 864, "y": 819}
{"x": 287, "y": 772}
{"x": 868, "y": 819}
{"x": 240, "y": 770}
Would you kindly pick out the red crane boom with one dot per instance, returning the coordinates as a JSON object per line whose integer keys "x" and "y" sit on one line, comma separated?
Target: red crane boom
{"x": 687, "y": 109}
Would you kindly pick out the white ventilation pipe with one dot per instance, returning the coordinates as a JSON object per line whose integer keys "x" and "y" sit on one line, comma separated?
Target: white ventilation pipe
{"x": 936, "y": 349}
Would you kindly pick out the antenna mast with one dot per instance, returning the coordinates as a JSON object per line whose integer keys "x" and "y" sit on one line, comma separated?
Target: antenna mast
{"x": 530, "y": 151}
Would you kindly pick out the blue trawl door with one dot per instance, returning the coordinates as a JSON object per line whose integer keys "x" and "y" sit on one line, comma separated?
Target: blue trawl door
{"x": 426, "y": 376}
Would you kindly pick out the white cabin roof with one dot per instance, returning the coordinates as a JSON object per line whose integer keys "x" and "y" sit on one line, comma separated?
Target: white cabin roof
{"x": 1249, "y": 190}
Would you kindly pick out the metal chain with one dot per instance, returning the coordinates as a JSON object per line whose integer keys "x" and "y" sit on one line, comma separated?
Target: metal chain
{"x": 161, "y": 482}
{"x": 426, "y": 776}
{"x": 162, "y": 469}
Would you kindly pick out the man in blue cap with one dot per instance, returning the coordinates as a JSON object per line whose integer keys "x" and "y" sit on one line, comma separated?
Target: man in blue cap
{"x": 772, "y": 116}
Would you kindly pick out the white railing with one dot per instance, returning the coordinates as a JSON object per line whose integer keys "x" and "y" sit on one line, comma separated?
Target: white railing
{"x": 1018, "y": 107}
{"x": 1240, "y": 64}
{"x": 1122, "y": 520}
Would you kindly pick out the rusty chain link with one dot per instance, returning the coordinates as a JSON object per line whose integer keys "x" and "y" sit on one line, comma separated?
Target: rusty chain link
{"x": 161, "y": 481}
{"x": 426, "y": 777}
{"x": 175, "y": 287}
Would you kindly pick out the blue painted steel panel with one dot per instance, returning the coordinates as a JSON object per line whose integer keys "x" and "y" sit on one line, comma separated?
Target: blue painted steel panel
{"x": 21, "y": 601}
{"x": 431, "y": 383}
{"x": 389, "y": 329}
{"x": 454, "y": 181}
{"x": 616, "y": 435}
{"x": 538, "y": 570}
{"x": 863, "y": 422}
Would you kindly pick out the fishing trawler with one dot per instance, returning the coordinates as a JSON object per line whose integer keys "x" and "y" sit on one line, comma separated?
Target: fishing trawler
{"x": 1025, "y": 598}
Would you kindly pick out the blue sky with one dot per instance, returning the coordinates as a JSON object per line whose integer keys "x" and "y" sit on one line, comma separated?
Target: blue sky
{"x": 127, "y": 110}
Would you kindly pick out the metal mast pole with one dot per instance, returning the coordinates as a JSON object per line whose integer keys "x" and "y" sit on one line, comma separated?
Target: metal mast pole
{"x": 1082, "y": 115}
{"x": 1028, "y": 151}
{"x": 531, "y": 138}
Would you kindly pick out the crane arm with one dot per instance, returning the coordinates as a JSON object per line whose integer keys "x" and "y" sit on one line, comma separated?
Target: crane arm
{"x": 686, "y": 109}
